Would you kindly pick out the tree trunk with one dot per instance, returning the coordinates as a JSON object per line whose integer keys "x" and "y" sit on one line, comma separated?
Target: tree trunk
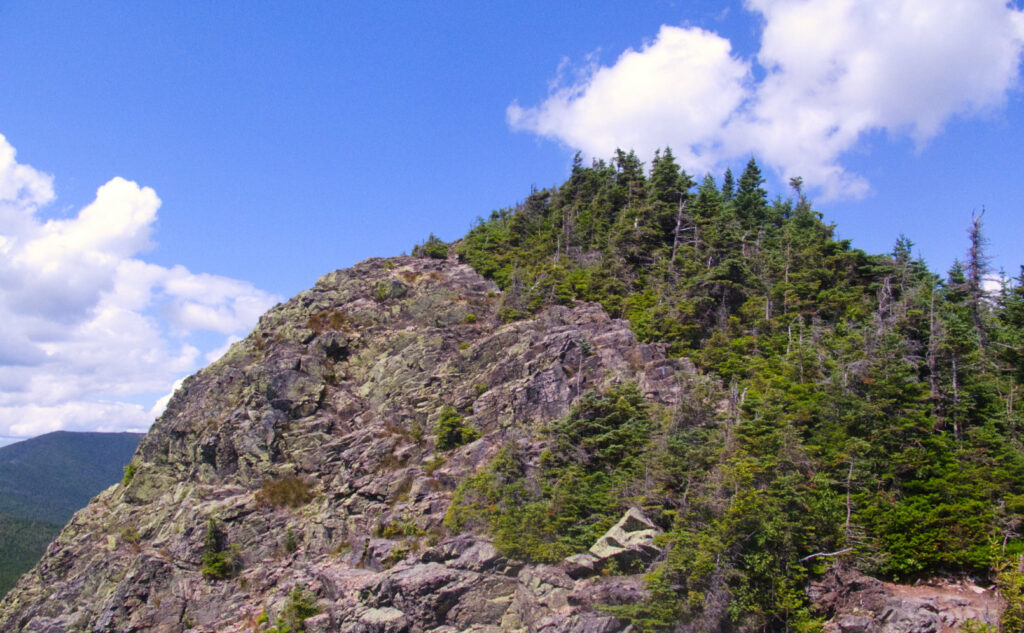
{"x": 933, "y": 346}
{"x": 679, "y": 228}
{"x": 977, "y": 268}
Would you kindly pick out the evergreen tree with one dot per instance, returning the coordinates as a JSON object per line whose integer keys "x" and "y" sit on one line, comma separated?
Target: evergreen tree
{"x": 1011, "y": 327}
{"x": 630, "y": 173}
{"x": 728, "y": 186}
{"x": 977, "y": 269}
{"x": 751, "y": 198}
{"x": 855, "y": 402}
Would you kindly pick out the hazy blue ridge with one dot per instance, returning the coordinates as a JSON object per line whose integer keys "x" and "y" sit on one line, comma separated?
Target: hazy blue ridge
{"x": 48, "y": 478}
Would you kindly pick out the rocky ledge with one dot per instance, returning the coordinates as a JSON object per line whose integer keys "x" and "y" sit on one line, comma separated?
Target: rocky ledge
{"x": 297, "y": 483}
{"x": 855, "y": 603}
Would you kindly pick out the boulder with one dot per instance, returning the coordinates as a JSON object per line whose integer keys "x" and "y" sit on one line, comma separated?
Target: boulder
{"x": 629, "y": 543}
{"x": 580, "y": 565}
{"x": 384, "y": 620}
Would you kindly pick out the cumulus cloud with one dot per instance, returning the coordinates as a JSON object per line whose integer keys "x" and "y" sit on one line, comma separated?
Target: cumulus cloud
{"x": 684, "y": 84}
{"x": 91, "y": 331}
{"x": 22, "y": 188}
{"x": 830, "y": 72}
{"x": 162, "y": 402}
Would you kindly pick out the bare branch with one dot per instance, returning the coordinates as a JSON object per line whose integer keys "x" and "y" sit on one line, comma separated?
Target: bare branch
{"x": 824, "y": 555}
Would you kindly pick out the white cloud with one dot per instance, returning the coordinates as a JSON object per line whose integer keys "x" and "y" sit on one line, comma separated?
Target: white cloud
{"x": 209, "y": 302}
{"x": 684, "y": 84}
{"x": 161, "y": 404}
{"x": 993, "y": 283}
{"x": 833, "y": 70}
{"x": 31, "y": 420}
{"x": 90, "y": 330}
{"x": 22, "y": 188}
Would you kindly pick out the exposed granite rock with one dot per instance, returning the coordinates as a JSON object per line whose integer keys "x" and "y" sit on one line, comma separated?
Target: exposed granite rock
{"x": 340, "y": 388}
{"x": 856, "y": 603}
{"x": 627, "y": 543}
{"x": 581, "y": 565}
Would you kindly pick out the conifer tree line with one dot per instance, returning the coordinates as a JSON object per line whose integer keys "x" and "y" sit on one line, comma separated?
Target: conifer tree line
{"x": 851, "y": 409}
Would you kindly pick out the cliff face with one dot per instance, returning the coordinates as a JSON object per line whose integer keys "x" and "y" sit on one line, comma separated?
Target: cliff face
{"x": 312, "y": 448}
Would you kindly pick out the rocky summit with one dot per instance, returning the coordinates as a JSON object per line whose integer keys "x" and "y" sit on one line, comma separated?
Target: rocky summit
{"x": 302, "y": 481}
{"x": 620, "y": 405}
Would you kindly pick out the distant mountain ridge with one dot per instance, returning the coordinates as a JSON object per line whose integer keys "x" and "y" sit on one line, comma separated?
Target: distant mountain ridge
{"x": 49, "y": 477}
{"x": 44, "y": 480}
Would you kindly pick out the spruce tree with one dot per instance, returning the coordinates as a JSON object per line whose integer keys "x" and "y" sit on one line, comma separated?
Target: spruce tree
{"x": 751, "y": 198}
{"x": 728, "y": 186}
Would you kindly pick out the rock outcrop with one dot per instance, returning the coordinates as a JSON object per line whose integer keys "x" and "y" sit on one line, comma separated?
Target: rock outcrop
{"x": 855, "y": 603}
{"x": 626, "y": 546}
{"x": 298, "y": 479}
{"x": 628, "y": 542}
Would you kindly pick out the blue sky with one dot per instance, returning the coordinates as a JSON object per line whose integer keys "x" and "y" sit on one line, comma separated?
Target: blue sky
{"x": 286, "y": 140}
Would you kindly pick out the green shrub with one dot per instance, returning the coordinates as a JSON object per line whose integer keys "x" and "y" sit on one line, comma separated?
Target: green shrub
{"x": 344, "y": 547}
{"x": 416, "y": 431}
{"x": 291, "y": 544}
{"x": 548, "y": 512}
{"x": 436, "y": 462}
{"x": 130, "y": 535}
{"x": 433, "y": 248}
{"x": 452, "y": 429}
{"x": 502, "y": 500}
{"x": 508, "y": 315}
{"x": 384, "y": 290}
{"x": 219, "y": 561}
{"x": 397, "y": 553}
{"x": 401, "y": 528}
{"x": 469, "y": 318}
{"x": 129, "y": 473}
{"x": 1011, "y": 586}
{"x": 285, "y": 491}
{"x": 299, "y": 607}
{"x": 976, "y": 626}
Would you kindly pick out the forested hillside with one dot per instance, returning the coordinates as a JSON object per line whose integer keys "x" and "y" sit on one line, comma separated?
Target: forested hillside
{"x": 43, "y": 481}
{"x": 49, "y": 477}
{"x": 858, "y": 409}
{"x": 22, "y": 542}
